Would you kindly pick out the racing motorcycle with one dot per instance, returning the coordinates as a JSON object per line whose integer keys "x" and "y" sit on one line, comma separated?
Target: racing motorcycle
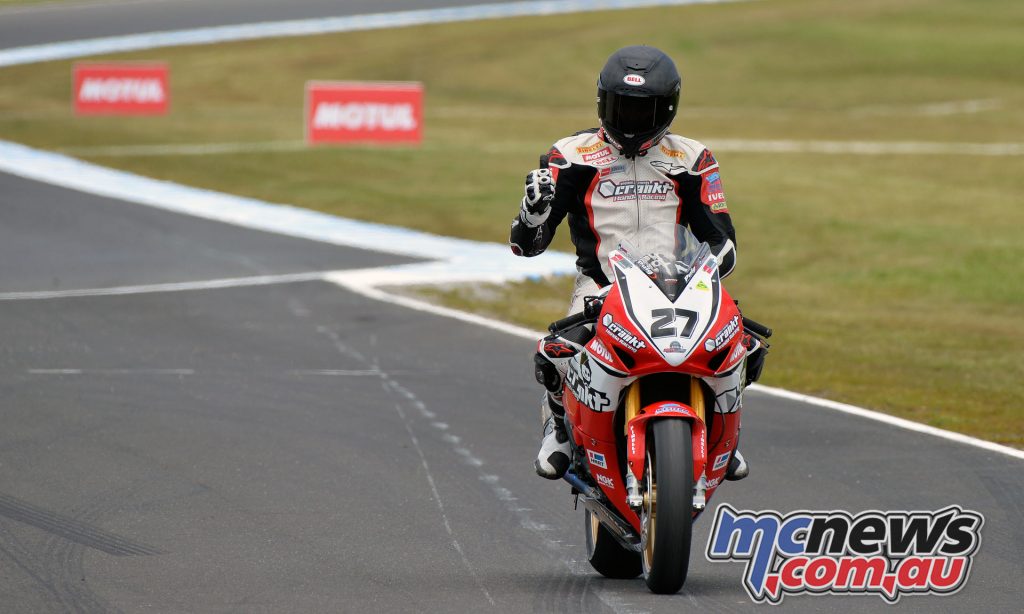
{"x": 652, "y": 372}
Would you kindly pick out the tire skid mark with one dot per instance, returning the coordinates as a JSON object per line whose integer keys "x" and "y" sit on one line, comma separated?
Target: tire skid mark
{"x": 72, "y": 529}
{"x": 24, "y": 559}
{"x": 59, "y": 556}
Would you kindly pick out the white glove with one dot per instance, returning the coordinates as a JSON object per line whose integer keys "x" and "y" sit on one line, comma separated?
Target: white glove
{"x": 540, "y": 191}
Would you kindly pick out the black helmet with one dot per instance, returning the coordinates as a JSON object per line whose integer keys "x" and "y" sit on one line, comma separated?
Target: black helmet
{"x": 637, "y": 97}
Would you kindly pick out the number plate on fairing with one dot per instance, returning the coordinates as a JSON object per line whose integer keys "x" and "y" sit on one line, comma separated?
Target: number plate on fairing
{"x": 673, "y": 328}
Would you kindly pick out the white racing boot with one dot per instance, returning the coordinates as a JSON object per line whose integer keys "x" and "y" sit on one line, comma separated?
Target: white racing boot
{"x": 555, "y": 453}
{"x": 738, "y": 468}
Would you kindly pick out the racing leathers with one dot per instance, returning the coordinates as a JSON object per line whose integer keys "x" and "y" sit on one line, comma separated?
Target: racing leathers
{"x": 609, "y": 198}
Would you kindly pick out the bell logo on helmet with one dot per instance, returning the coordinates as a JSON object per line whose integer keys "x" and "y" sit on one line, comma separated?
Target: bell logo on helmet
{"x": 634, "y": 79}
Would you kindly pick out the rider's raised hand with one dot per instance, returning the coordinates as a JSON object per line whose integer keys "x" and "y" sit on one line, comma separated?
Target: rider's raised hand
{"x": 540, "y": 191}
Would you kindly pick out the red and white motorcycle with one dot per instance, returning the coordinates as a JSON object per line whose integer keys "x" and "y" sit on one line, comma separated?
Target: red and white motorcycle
{"x": 651, "y": 400}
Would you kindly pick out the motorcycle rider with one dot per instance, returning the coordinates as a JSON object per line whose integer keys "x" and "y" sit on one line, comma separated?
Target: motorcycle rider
{"x": 612, "y": 182}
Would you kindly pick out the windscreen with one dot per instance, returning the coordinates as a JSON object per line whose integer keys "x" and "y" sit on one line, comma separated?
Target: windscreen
{"x": 668, "y": 254}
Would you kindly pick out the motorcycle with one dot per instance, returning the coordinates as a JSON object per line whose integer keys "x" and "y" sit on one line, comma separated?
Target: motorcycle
{"x": 650, "y": 396}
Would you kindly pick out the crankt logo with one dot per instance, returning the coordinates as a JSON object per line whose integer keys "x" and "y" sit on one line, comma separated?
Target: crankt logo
{"x": 884, "y": 553}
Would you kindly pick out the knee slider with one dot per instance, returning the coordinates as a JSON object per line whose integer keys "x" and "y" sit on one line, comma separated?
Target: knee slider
{"x": 546, "y": 373}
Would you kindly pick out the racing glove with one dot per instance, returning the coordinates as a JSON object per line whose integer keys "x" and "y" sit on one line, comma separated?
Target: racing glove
{"x": 540, "y": 191}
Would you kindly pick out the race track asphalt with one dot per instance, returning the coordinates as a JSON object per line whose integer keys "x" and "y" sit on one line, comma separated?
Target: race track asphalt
{"x": 297, "y": 447}
{"x": 51, "y": 22}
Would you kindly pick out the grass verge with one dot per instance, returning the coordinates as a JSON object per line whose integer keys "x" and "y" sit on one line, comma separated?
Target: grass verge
{"x": 894, "y": 281}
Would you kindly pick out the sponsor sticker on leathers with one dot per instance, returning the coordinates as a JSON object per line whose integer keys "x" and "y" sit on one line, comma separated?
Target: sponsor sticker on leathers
{"x": 711, "y": 192}
{"x": 600, "y": 158}
{"x": 672, "y": 153}
{"x": 590, "y": 148}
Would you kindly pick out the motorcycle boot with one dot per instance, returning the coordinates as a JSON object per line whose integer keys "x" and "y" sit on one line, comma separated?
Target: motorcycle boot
{"x": 555, "y": 452}
{"x": 738, "y": 468}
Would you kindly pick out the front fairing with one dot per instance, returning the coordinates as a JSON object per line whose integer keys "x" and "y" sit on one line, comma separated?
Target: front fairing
{"x": 647, "y": 332}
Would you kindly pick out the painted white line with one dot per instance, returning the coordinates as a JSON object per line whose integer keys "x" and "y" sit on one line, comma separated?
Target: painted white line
{"x": 208, "y": 284}
{"x": 187, "y": 149}
{"x": 440, "y": 506}
{"x": 935, "y": 109}
{"x": 392, "y": 385}
{"x": 889, "y": 148}
{"x": 532, "y": 335}
{"x": 359, "y": 286}
{"x": 111, "y": 371}
{"x": 342, "y": 372}
{"x": 466, "y": 260}
{"x": 893, "y": 420}
{"x": 320, "y": 25}
{"x": 914, "y": 148}
{"x": 504, "y": 495}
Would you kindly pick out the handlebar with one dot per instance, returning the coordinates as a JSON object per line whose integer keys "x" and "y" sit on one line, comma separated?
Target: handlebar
{"x": 591, "y": 309}
{"x": 568, "y": 322}
{"x": 754, "y": 327}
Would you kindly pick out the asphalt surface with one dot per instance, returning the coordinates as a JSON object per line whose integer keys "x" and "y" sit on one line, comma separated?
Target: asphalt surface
{"x": 297, "y": 447}
{"x": 54, "y": 22}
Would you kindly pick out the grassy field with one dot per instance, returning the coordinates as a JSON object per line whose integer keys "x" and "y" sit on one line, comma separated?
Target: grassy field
{"x": 894, "y": 282}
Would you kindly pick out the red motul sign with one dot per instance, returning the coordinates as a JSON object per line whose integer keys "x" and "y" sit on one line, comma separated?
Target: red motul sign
{"x": 364, "y": 112}
{"x": 121, "y": 89}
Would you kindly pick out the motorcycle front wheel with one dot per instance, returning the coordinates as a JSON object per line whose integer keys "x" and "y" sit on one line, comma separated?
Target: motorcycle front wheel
{"x": 667, "y": 515}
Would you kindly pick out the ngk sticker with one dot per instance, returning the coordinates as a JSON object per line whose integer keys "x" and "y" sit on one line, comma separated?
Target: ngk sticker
{"x": 120, "y": 89}
{"x": 364, "y": 112}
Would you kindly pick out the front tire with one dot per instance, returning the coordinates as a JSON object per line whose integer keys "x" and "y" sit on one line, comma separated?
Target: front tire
{"x": 606, "y": 555}
{"x": 667, "y": 515}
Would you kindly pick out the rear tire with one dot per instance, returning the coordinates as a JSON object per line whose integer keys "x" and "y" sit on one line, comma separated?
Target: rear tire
{"x": 667, "y": 516}
{"x": 606, "y": 555}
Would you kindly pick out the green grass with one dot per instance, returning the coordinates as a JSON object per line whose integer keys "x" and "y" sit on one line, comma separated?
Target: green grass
{"x": 894, "y": 282}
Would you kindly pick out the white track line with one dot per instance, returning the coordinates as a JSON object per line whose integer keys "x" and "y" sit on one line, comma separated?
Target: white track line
{"x": 111, "y": 371}
{"x": 462, "y": 260}
{"x": 208, "y": 284}
{"x": 867, "y": 147}
{"x": 893, "y": 420}
{"x": 526, "y": 333}
{"x": 188, "y": 149}
{"x": 320, "y": 25}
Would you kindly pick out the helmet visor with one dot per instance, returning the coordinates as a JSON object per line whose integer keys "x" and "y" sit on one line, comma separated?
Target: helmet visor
{"x": 636, "y": 114}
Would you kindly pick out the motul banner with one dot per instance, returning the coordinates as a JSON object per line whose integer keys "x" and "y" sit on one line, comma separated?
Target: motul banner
{"x": 129, "y": 88}
{"x": 364, "y": 112}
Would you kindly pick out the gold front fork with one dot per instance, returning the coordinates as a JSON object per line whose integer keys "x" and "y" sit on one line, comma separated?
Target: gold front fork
{"x": 633, "y": 401}
{"x": 632, "y": 404}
